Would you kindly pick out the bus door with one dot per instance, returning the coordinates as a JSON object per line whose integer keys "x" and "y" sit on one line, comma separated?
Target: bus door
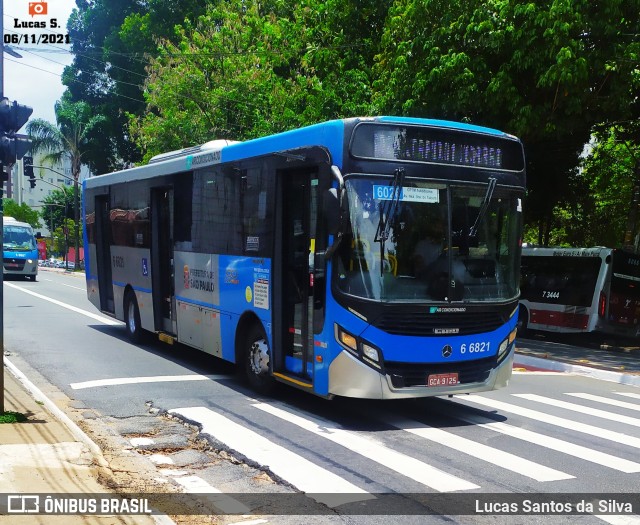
{"x": 103, "y": 254}
{"x": 162, "y": 271}
{"x": 299, "y": 220}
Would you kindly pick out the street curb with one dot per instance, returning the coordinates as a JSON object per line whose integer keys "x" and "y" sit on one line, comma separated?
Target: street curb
{"x": 56, "y": 412}
{"x": 76, "y": 431}
{"x": 558, "y": 366}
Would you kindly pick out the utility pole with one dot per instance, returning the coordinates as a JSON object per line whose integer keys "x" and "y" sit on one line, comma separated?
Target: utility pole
{"x": 12, "y": 147}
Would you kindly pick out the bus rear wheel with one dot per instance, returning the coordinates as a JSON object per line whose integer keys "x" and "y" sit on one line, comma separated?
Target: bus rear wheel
{"x": 256, "y": 361}
{"x": 132, "y": 318}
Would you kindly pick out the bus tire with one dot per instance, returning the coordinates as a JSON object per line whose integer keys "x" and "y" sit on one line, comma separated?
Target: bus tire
{"x": 256, "y": 361}
{"x": 523, "y": 321}
{"x": 33, "y": 278}
{"x": 132, "y": 318}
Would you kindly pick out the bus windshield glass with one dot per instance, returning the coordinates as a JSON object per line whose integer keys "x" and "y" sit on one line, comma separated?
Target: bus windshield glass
{"x": 429, "y": 241}
{"x": 18, "y": 239}
{"x": 625, "y": 279}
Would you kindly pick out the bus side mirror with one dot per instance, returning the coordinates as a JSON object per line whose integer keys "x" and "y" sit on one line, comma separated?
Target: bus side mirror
{"x": 331, "y": 210}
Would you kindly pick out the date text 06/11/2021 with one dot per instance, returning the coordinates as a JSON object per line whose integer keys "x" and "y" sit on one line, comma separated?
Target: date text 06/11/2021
{"x": 33, "y": 38}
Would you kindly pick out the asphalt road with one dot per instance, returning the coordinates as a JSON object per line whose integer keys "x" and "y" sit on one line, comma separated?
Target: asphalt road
{"x": 547, "y": 433}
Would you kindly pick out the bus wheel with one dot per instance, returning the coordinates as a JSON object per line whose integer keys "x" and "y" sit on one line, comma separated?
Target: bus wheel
{"x": 257, "y": 357}
{"x": 32, "y": 277}
{"x": 132, "y": 318}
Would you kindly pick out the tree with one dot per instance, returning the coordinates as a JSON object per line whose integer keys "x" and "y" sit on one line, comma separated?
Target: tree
{"x": 57, "y": 206}
{"x": 112, "y": 41}
{"x": 69, "y": 140}
{"x": 21, "y": 212}
{"x": 246, "y": 70}
{"x": 546, "y": 71}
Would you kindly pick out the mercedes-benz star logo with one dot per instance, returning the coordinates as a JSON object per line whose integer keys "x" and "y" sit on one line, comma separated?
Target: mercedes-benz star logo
{"x": 447, "y": 351}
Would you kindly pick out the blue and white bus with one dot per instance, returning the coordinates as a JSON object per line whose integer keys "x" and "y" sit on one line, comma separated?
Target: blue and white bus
{"x": 19, "y": 249}
{"x": 365, "y": 257}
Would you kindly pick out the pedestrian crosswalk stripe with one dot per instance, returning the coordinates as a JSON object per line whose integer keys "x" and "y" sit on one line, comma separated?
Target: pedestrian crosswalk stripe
{"x": 606, "y": 401}
{"x": 603, "y": 414}
{"x": 616, "y": 519}
{"x": 407, "y": 466}
{"x": 592, "y": 430}
{"x": 324, "y": 486}
{"x": 559, "y": 445}
{"x": 492, "y": 455}
{"x": 628, "y": 394}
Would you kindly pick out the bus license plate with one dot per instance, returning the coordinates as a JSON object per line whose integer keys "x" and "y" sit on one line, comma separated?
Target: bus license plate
{"x": 443, "y": 379}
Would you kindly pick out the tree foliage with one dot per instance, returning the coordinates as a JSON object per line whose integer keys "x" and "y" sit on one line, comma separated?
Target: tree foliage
{"x": 70, "y": 139}
{"x": 168, "y": 74}
{"x": 20, "y": 212}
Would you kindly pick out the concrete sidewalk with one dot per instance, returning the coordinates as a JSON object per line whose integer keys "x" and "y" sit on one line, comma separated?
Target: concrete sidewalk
{"x": 43, "y": 455}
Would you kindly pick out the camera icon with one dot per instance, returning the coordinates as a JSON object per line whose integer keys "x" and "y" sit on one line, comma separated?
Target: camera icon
{"x": 38, "y": 8}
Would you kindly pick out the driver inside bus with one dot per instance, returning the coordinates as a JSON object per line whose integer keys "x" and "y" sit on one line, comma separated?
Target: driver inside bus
{"x": 429, "y": 248}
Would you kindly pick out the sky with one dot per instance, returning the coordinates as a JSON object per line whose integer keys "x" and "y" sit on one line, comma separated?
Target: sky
{"x": 35, "y": 79}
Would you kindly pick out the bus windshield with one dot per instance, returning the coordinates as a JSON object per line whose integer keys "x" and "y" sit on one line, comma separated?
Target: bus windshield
{"x": 429, "y": 241}
{"x": 18, "y": 239}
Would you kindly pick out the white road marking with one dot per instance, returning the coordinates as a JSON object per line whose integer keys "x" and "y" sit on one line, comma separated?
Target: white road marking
{"x": 587, "y": 454}
{"x": 480, "y": 451}
{"x": 396, "y": 461}
{"x": 606, "y": 401}
{"x": 95, "y": 317}
{"x": 616, "y": 519}
{"x": 592, "y": 430}
{"x": 138, "y": 380}
{"x": 603, "y": 414}
{"x": 62, "y": 284}
{"x": 227, "y": 504}
{"x": 628, "y": 394}
{"x": 322, "y": 485}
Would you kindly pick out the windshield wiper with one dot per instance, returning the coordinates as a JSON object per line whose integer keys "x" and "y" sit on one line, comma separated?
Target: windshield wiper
{"x": 473, "y": 231}
{"x": 388, "y": 209}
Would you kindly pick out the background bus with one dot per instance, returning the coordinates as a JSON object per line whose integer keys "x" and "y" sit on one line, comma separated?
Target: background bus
{"x": 299, "y": 255}
{"x": 580, "y": 290}
{"x": 19, "y": 249}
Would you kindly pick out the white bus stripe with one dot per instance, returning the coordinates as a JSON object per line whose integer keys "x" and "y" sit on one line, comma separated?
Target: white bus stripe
{"x": 96, "y": 317}
{"x": 396, "y": 461}
{"x": 136, "y": 380}
{"x": 571, "y": 449}
{"x": 492, "y": 455}
{"x": 603, "y": 433}
{"x": 603, "y": 414}
{"x": 606, "y": 401}
{"x": 322, "y": 485}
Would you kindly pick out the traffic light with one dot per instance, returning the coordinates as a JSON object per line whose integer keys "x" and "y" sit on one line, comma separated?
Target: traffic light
{"x": 12, "y": 117}
{"x": 27, "y": 163}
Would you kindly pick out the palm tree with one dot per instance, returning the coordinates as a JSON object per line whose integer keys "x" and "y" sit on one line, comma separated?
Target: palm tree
{"x": 68, "y": 140}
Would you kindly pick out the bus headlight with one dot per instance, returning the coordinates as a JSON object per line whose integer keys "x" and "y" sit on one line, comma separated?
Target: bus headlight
{"x": 360, "y": 348}
{"x": 503, "y": 347}
{"x": 370, "y": 353}
{"x": 346, "y": 339}
{"x": 29, "y": 261}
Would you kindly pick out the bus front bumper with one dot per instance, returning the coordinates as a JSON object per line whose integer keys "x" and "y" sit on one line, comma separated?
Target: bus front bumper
{"x": 350, "y": 377}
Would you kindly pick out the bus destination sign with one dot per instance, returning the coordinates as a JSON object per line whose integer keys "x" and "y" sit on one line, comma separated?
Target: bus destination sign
{"x": 436, "y": 146}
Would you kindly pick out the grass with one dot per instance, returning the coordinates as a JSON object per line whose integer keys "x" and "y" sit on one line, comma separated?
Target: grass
{"x": 12, "y": 417}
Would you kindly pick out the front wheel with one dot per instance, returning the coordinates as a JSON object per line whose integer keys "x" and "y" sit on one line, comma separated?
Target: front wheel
{"x": 132, "y": 318}
{"x": 256, "y": 361}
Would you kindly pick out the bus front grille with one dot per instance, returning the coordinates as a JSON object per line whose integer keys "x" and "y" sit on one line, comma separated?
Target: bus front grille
{"x": 422, "y": 323}
{"x": 416, "y": 374}
{"x": 13, "y": 264}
